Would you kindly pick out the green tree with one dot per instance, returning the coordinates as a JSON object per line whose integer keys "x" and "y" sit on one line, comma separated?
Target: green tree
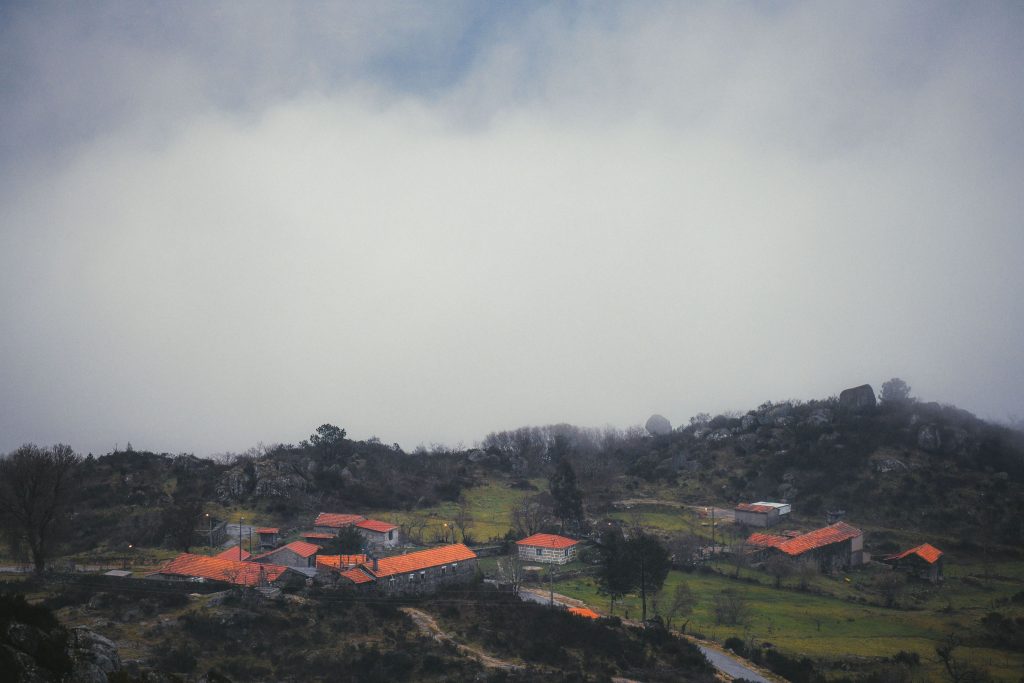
{"x": 895, "y": 392}
{"x": 348, "y": 542}
{"x": 566, "y": 494}
{"x": 615, "y": 574}
{"x": 651, "y": 563}
{"x": 34, "y": 488}
{"x": 327, "y": 437}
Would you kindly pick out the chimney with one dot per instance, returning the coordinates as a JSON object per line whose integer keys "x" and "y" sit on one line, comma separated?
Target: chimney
{"x": 375, "y": 563}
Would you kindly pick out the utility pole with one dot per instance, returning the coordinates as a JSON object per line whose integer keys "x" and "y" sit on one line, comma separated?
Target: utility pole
{"x": 240, "y": 518}
{"x": 209, "y": 519}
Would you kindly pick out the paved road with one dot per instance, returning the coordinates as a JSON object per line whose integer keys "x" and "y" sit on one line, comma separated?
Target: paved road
{"x": 232, "y": 538}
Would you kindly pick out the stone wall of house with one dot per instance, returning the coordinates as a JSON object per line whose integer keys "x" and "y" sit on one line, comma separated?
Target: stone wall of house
{"x": 758, "y": 519}
{"x": 528, "y": 553}
{"x": 426, "y": 581}
{"x": 288, "y": 558}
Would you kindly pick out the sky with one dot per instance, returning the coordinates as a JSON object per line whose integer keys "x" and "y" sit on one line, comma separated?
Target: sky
{"x": 228, "y": 223}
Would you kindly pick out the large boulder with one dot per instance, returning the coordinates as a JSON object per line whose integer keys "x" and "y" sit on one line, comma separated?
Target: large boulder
{"x": 93, "y": 657}
{"x": 657, "y": 425}
{"x": 857, "y": 398}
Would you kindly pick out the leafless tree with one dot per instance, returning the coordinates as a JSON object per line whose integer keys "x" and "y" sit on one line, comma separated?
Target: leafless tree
{"x": 510, "y": 571}
{"x": 682, "y": 604}
{"x": 779, "y": 567}
{"x": 530, "y": 516}
{"x": 806, "y": 570}
{"x": 462, "y": 519}
{"x": 959, "y": 671}
{"x": 731, "y": 608}
{"x": 890, "y": 585}
{"x": 34, "y": 488}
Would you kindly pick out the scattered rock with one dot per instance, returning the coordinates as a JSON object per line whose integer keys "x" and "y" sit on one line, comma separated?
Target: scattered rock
{"x": 92, "y": 655}
{"x": 857, "y": 398}
{"x": 657, "y": 425}
{"x": 890, "y": 465}
{"x": 820, "y": 417}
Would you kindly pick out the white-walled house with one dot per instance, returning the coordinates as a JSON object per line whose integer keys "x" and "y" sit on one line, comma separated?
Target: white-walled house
{"x": 549, "y": 548}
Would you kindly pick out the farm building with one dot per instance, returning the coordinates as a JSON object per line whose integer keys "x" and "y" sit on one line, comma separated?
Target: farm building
{"x": 761, "y": 514}
{"x": 294, "y": 554}
{"x": 833, "y": 547}
{"x": 235, "y": 552}
{"x": 333, "y": 522}
{"x": 189, "y": 567}
{"x": 924, "y": 561}
{"x": 317, "y": 538}
{"x": 269, "y": 537}
{"x": 549, "y": 548}
{"x": 378, "y": 534}
{"x": 424, "y": 571}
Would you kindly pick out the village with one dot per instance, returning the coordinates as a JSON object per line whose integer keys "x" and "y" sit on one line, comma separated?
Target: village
{"x": 387, "y": 565}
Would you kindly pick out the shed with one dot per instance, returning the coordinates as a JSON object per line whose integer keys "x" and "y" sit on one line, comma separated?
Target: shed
{"x": 549, "y": 548}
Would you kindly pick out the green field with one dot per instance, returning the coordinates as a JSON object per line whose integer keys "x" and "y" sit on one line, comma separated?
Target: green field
{"x": 826, "y": 627}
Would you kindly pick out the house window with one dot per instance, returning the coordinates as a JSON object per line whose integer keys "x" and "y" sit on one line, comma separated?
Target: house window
{"x": 391, "y": 535}
{"x": 391, "y": 581}
{"x": 423, "y": 575}
{"x": 455, "y": 565}
{"x": 565, "y": 552}
{"x": 444, "y": 569}
{"x": 412, "y": 577}
{"x": 540, "y": 552}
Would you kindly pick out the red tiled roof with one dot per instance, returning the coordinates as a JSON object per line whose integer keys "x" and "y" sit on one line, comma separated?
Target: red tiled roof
{"x": 750, "y": 507}
{"x": 819, "y": 538}
{"x": 925, "y": 551}
{"x": 233, "y": 553}
{"x": 422, "y": 559}
{"x": 339, "y": 561}
{"x": 766, "y": 540}
{"x": 357, "y": 575}
{"x": 300, "y": 548}
{"x": 584, "y": 612}
{"x": 268, "y": 530}
{"x": 219, "y": 569}
{"x": 374, "y": 525}
{"x": 337, "y": 520}
{"x": 547, "y": 541}
{"x": 318, "y": 536}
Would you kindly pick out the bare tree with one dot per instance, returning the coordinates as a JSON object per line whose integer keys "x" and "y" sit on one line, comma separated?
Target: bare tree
{"x": 731, "y": 608}
{"x": 34, "y": 485}
{"x": 463, "y": 518}
{"x": 510, "y": 571}
{"x": 682, "y": 604}
{"x": 806, "y": 570}
{"x": 890, "y": 586}
{"x": 780, "y": 567}
{"x": 530, "y": 516}
{"x": 959, "y": 671}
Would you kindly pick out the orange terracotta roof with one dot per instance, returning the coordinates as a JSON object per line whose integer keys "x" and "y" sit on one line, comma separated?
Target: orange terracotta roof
{"x": 357, "y": 575}
{"x": 751, "y": 507}
{"x": 218, "y": 569}
{"x": 374, "y": 525}
{"x": 268, "y": 530}
{"x": 819, "y": 538}
{"x": 584, "y": 612}
{"x": 766, "y": 540}
{"x": 925, "y": 551}
{"x": 336, "y": 520}
{"x": 318, "y": 536}
{"x": 234, "y": 553}
{"x": 422, "y": 559}
{"x": 547, "y": 541}
{"x": 339, "y": 561}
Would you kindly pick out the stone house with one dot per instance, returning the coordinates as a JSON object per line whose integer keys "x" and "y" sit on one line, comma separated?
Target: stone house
{"x": 201, "y": 568}
{"x": 761, "y": 514}
{"x": 547, "y": 548}
{"x": 838, "y": 546}
{"x": 924, "y": 561}
{"x": 269, "y": 537}
{"x": 417, "y": 573}
{"x": 294, "y": 554}
{"x": 333, "y": 522}
{"x": 378, "y": 534}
